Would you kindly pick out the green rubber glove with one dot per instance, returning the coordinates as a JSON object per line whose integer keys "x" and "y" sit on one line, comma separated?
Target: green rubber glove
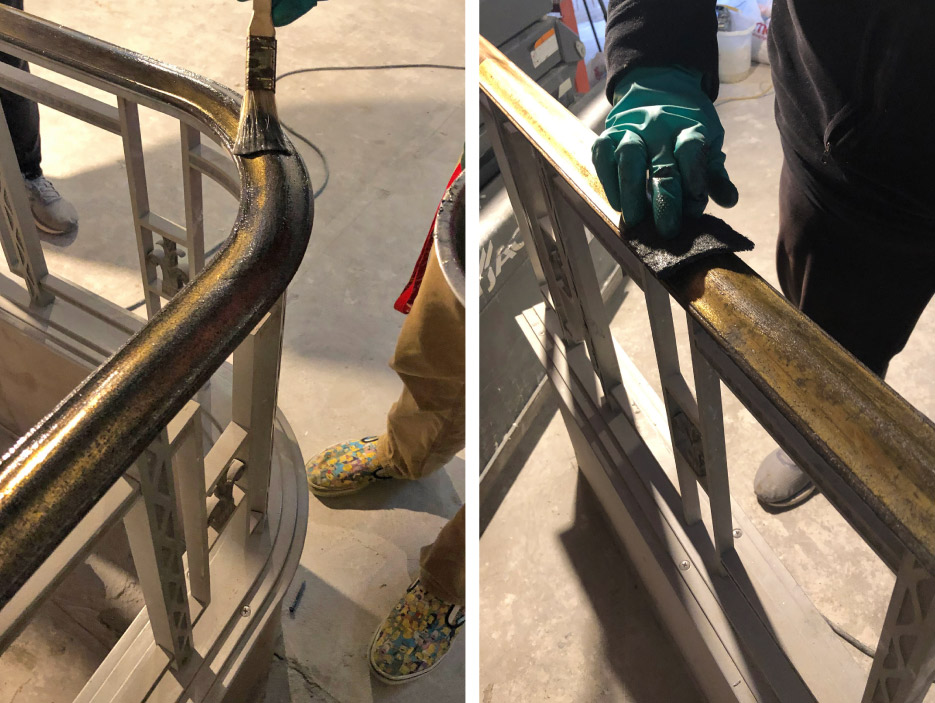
{"x": 663, "y": 122}
{"x": 286, "y": 11}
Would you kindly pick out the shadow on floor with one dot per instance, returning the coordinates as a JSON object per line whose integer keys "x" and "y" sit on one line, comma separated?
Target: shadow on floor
{"x": 497, "y": 480}
{"x": 495, "y": 488}
{"x": 637, "y": 648}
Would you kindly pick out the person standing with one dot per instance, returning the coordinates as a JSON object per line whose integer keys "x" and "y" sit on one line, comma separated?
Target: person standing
{"x": 856, "y": 245}
{"x": 424, "y": 430}
{"x": 51, "y": 212}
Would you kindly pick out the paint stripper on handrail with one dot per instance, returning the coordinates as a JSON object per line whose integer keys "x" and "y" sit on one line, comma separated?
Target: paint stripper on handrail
{"x": 57, "y": 471}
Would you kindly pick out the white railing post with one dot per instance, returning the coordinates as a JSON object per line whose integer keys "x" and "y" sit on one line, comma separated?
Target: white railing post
{"x": 524, "y": 189}
{"x": 139, "y": 200}
{"x": 680, "y": 406}
{"x": 157, "y": 543}
{"x": 188, "y": 470}
{"x": 17, "y": 230}
{"x": 256, "y": 382}
{"x": 194, "y": 202}
{"x": 711, "y": 424}
{"x": 575, "y": 258}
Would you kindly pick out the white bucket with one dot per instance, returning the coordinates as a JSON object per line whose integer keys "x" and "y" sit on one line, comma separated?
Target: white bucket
{"x": 734, "y": 50}
{"x": 760, "y": 47}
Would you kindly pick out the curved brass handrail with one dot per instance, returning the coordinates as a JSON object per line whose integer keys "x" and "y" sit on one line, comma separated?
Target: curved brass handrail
{"x": 882, "y": 447}
{"x": 56, "y": 472}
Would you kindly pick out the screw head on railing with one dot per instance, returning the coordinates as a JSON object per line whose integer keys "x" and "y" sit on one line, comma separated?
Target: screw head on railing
{"x": 738, "y": 533}
{"x": 245, "y": 611}
{"x": 685, "y": 565}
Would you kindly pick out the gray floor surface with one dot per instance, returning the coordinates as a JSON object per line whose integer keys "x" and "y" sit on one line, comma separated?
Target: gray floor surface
{"x": 564, "y": 616}
{"x": 391, "y": 139}
{"x": 560, "y": 602}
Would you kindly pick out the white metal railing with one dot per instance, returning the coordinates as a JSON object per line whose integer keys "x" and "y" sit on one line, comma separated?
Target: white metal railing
{"x": 213, "y": 548}
{"x": 747, "y": 630}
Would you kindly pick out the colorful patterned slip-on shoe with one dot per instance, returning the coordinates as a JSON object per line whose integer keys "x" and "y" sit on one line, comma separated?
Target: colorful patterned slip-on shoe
{"x": 345, "y": 468}
{"x": 414, "y": 637}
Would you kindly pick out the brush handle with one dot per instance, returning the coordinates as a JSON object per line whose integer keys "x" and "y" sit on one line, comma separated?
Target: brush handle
{"x": 262, "y": 23}
{"x": 261, "y": 48}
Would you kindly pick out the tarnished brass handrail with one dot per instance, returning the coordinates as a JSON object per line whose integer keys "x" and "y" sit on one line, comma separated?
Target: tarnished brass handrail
{"x": 878, "y": 444}
{"x": 57, "y": 471}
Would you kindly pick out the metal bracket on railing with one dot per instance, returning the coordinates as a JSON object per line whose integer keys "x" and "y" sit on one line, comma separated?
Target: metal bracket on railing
{"x": 225, "y": 500}
{"x": 165, "y": 256}
{"x": 686, "y": 438}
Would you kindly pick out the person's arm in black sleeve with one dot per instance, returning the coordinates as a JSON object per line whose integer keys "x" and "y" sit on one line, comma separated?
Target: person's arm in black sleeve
{"x": 663, "y": 134}
{"x": 662, "y": 33}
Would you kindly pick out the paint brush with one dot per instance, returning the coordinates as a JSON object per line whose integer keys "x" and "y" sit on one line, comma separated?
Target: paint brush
{"x": 259, "y": 130}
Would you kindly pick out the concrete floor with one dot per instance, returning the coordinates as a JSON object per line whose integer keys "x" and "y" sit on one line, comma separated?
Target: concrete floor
{"x": 564, "y": 616}
{"x": 391, "y": 139}
{"x": 577, "y": 637}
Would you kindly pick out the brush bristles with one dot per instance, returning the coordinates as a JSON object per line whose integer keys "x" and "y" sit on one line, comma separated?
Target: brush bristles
{"x": 259, "y": 130}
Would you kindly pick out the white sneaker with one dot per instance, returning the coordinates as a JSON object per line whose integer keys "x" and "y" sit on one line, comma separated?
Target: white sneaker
{"x": 779, "y": 483}
{"x": 52, "y": 213}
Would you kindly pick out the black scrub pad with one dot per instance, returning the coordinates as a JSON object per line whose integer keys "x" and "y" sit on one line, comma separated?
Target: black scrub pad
{"x": 699, "y": 237}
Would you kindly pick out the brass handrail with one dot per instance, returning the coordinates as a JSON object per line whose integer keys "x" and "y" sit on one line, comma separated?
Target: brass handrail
{"x": 880, "y": 450}
{"x": 57, "y": 471}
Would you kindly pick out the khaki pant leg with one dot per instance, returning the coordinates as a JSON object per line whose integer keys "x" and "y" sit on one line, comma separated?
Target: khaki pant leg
{"x": 443, "y": 562}
{"x": 425, "y": 427}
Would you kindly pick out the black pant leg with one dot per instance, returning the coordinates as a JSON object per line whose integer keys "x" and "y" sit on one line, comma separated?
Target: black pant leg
{"x": 866, "y": 296}
{"x": 22, "y": 117}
